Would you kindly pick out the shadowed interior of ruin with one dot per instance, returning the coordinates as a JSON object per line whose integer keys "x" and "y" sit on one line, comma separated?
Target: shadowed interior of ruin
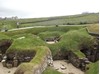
{"x": 19, "y": 58}
{"x": 4, "y": 45}
{"x": 13, "y": 59}
{"x": 61, "y": 56}
{"x": 93, "y": 53}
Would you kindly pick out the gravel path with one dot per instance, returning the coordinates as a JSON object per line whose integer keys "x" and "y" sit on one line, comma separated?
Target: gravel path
{"x": 68, "y": 68}
{"x": 4, "y": 70}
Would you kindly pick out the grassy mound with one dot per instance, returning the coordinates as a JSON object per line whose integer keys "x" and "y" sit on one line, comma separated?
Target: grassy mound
{"x": 51, "y": 71}
{"x": 2, "y": 37}
{"x": 93, "y": 68}
{"x": 23, "y": 45}
{"x": 71, "y": 41}
{"x": 26, "y": 44}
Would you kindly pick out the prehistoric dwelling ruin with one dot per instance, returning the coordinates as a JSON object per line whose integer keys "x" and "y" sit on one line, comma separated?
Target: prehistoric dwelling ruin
{"x": 32, "y": 55}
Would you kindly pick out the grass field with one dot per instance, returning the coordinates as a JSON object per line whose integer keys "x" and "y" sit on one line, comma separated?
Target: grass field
{"x": 51, "y": 71}
{"x": 61, "y": 20}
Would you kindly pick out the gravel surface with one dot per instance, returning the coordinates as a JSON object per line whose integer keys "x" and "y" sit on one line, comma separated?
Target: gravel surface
{"x": 4, "y": 70}
{"x": 66, "y": 68}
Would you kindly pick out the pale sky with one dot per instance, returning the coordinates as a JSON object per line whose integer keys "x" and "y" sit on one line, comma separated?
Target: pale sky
{"x": 46, "y": 8}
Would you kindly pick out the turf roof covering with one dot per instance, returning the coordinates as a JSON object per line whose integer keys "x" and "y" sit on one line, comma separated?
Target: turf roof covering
{"x": 25, "y": 42}
{"x": 2, "y": 37}
{"x": 93, "y": 68}
{"x": 71, "y": 41}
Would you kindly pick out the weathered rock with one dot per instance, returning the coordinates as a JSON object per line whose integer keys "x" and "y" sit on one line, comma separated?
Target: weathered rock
{"x": 0, "y": 57}
{"x": 4, "y": 63}
{"x": 63, "y": 67}
{"x": 15, "y": 63}
{"x": 50, "y": 60}
{"x": 56, "y": 68}
{"x": 87, "y": 62}
{"x": 9, "y": 65}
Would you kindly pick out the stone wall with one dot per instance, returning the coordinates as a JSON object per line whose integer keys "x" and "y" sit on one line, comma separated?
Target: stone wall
{"x": 46, "y": 60}
{"x": 13, "y": 59}
{"x": 43, "y": 65}
{"x": 72, "y": 58}
{"x": 61, "y": 55}
{"x": 78, "y": 62}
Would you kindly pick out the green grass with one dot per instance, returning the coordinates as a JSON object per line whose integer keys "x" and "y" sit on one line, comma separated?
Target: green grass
{"x": 71, "y": 41}
{"x": 66, "y": 20}
{"x": 26, "y": 43}
{"x": 43, "y": 29}
{"x": 93, "y": 28}
{"x": 82, "y": 19}
{"x": 51, "y": 71}
{"x": 48, "y": 34}
{"x": 73, "y": 38}
{"x": 30, "y": 43}
{"x": 93, "y": 68}
{"x": 2, "y": 36}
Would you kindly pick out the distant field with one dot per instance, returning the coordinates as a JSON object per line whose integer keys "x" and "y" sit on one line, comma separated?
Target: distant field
{"x": 61, "y": 20}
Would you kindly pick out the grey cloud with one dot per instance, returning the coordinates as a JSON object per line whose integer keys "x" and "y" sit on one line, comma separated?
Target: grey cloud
{"x": 9, "y": 12}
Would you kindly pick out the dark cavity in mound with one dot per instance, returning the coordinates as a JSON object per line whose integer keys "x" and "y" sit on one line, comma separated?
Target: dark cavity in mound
{"x": 13, "y": 59}
{"x": 91, "y": 53}
{"x": 4, "y": 45}
{"x": 24, "y": 56}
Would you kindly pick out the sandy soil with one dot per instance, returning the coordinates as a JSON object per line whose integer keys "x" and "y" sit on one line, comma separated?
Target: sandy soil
{"x": 4, "y": 70}
{"x": 69, "y": 68}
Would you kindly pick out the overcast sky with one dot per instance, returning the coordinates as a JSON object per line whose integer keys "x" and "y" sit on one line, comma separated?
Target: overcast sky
{"x": 46, "y": 8}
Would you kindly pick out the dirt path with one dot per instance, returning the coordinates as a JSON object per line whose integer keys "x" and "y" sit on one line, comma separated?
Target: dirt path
{"x": 4, "y": 70}
{"x": 50, "y": 42}
{"x": 68, "y": 68}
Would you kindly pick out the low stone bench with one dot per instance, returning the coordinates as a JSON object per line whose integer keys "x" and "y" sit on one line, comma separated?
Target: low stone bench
{"x": 9, "y": 65}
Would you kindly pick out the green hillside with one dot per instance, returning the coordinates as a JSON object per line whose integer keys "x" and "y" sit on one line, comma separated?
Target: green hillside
{"x": 88, "y": 18}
